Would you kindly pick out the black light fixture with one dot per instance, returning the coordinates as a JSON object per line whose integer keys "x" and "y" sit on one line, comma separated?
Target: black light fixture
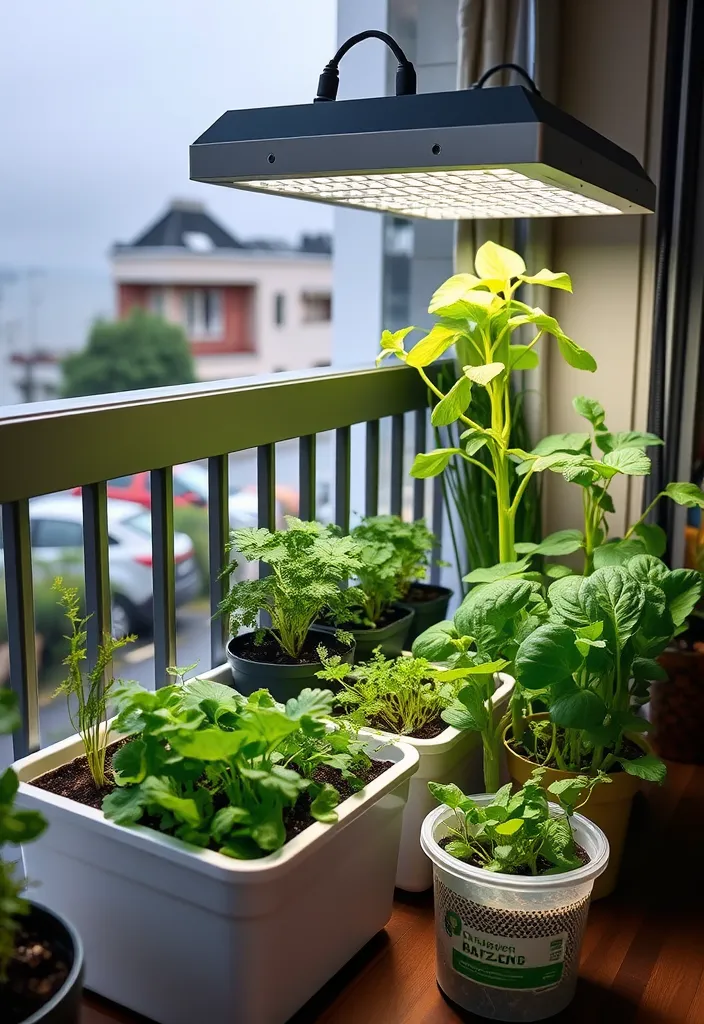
{"x": 489, "y": 153}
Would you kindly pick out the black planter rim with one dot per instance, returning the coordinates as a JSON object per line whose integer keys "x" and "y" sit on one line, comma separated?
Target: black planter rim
{"x": 75, "y": 972}
{"x": 443, "y": 592}
{"x": 366, "y": 631}
{"x": 293, "y": 669}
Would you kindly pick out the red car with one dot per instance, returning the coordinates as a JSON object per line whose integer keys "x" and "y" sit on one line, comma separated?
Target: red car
{"x": 137, "y": 487}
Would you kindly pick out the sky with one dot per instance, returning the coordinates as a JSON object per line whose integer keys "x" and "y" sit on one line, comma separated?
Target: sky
{"x": 100, "y": 99}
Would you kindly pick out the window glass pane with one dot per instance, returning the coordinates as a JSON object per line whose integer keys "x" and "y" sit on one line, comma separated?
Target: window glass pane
{"x": 279, "y": 309}
{"x": 56, "y": 533}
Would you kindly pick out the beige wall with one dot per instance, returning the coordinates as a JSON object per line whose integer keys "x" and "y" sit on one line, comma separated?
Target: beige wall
{"x": 611, "y": 56}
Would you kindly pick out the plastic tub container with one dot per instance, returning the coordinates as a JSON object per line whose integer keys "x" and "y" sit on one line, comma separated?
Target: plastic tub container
{"x": 508, "y": 945}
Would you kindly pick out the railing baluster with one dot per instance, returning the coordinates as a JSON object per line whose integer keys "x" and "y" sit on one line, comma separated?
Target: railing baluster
{"x": 218, "y": 535}
{"x": 96, "y": 566}
{"x": 438, "y": 512}
{"x": 163, "y": 572}
{"x": 306, "y": 476}
{"x": 420, "y": 434}
{"x": 343, "y": 449}
{"x": 266, "y": 500}
{"x": 371, "y": 471}
{"x": 19, "y": 595}
{"x": 397, "y": 436}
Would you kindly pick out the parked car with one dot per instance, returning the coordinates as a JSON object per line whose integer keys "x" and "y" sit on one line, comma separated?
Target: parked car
{"x": 57, "y": 540}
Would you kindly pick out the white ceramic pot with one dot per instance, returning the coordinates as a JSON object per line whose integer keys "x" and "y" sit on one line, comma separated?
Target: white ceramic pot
{"x": 184, "y": 935}
{"x": 453, "y": 756}
{"x": 508, "y": 945}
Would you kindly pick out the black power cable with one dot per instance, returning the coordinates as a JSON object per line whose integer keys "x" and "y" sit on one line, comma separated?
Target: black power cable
{"x": 330, "y": 78}
{"x": 479, "y": 84}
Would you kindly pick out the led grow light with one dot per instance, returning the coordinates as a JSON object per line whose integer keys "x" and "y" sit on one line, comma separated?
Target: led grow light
{"x": 501, "y": 152}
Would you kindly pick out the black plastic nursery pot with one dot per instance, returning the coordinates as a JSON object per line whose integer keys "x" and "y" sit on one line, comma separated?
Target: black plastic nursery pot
{"x": 428, "y": 604}
{"x": 392, "y": 636}
{"x": 64, "y": 1007}
{"x": 281, "y": 675}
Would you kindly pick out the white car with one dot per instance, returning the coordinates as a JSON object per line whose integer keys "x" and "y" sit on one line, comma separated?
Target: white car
{"x": 57, "y": 544}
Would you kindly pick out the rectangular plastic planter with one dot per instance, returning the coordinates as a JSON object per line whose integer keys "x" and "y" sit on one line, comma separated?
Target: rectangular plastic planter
{"x": 183, "y": 935}
{"x": 453, "y": 756}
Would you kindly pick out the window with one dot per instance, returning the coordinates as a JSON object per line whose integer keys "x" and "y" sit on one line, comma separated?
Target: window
{"x": 121, "y": 483}
{"x": 317, "y": 307}
{"x": 56, "y": 533}
{"x": 279, "y": 309}
{"x": 202, "y": 312}
{"x": 156, "y": 301}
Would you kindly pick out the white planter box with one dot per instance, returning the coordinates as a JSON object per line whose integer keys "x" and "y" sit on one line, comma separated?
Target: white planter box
{"x": 453, "y": 756}
{"x": 188, "y": 936}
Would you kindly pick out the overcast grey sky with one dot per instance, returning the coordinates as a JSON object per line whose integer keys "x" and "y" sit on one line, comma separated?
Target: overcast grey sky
{"x": 99, "y": 100}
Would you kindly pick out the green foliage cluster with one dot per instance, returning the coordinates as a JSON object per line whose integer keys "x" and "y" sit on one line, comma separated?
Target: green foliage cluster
{"x": 400, "y": 695}
{"x": 16, "y": 827}
{"x": 219, "y": 771}
{"x": 308, "y": 562}
{"x": 90, "y": 694}
{"x": 593, "y": 659}
{"x": 412, "y": 544}
{"x": 515, "y": 833}
{"x": 141, "y": 351}
{"x": 479, "y": 316}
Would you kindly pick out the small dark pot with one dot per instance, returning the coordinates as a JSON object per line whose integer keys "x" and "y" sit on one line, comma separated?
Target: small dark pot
{"x": 431, "y": 608}
{"x": 392, "y": 638}
{"x": 281, "y": 680}
{"x": 677, "y": 708}
{"x": 65, "y": 1005}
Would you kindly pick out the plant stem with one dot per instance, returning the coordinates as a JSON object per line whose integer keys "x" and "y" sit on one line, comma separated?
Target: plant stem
{"x": 642, "y": 519}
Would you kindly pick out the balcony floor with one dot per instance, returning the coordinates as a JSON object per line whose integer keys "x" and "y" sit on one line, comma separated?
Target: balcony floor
{"x": 642, "y": 959}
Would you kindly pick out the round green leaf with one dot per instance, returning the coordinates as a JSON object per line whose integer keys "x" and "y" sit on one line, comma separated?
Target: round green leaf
{"x": 631, "y": 461}
{"x": 547, "y": 656}
{"x": 686, "y": 494}
{"x": 497, "y": 262}
{"x": 432, "y": 346}
{"x": 432, "y": 463}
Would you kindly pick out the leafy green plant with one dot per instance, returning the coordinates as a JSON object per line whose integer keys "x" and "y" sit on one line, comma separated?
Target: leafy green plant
{"x": 519, "y": 833}
{"x": 593, "y": 660}
{"x": 16, "y": 827}
{"x": 308, "y": 562}
{"x": 91, "y": 690}
{"x": 622, "y": 453}
{"x": 480, "y": 315}
{"x": 412, "y": 542}
{"x": 219, "y": 771}
{"x": 400, "y": 695}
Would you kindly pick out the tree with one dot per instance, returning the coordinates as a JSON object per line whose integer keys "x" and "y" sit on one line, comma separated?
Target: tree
{"x": 143, "y": 351}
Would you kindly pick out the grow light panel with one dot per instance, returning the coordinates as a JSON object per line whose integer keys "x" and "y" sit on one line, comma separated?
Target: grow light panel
{"x": 500, "y": 152}
{"x": 443, "y": 195}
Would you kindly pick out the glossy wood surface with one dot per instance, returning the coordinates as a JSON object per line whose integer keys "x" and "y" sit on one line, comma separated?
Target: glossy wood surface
{"x": 642, "y": 958}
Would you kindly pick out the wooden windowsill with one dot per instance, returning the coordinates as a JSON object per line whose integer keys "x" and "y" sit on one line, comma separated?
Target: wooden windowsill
{"x": 642, "y": 958}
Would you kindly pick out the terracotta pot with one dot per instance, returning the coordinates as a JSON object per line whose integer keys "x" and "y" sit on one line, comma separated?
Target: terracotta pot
{"x": 677, "y": 708}
{"x": 609, "y": 806}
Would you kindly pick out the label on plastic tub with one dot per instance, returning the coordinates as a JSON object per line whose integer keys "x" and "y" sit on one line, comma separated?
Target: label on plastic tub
{"x": 473, "y": 944}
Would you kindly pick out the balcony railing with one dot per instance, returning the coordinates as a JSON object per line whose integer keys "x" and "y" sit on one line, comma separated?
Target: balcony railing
{"x": 55, "y": 446}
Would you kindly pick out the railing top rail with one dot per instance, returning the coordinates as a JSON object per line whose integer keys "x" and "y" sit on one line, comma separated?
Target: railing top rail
{"x": 53, "y": 446}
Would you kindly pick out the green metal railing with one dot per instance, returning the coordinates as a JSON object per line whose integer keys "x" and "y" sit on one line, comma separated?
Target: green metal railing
{"x": 55, "y": 446}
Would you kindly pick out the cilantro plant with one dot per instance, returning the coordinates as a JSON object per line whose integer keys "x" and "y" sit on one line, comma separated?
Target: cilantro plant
{"x": 308, "y": 562}
{"x": 519, "y": 833}
{"x": 412, "y": 542}
{"x": 220, "y": 771}
{"x": 400, "y": 695}
{"x": 16, "y": 827}
{"x": 379, "y": 573}
{"x": 594, "y": 658}
{"x": 479, "y": 316}
{"x": 88, "y": 691}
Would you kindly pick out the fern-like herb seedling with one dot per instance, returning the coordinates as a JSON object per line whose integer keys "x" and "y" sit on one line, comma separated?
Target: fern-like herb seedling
{"x": 517, "y": 834}
{"x": 308, "y": 563}
{"x": 90, "y": 690}
{"x": 412, "y": 543}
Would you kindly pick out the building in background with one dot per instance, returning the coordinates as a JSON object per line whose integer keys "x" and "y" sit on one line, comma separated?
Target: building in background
{"x": 247, "y": 307}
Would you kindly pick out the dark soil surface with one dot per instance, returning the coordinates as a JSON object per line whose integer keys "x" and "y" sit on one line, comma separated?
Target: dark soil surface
{"x": 543, "y": 864}
{"x": 629, "y": 750}
{"x": 73, "y": 780}
{"x": 420, "y": 594}
{"x": 298, "y": 818}
{"x": 390, "y": 616}
{"x": 270, "y": 653}
{"x": 427, "y": 732}
{"x": 37, "y": 971}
